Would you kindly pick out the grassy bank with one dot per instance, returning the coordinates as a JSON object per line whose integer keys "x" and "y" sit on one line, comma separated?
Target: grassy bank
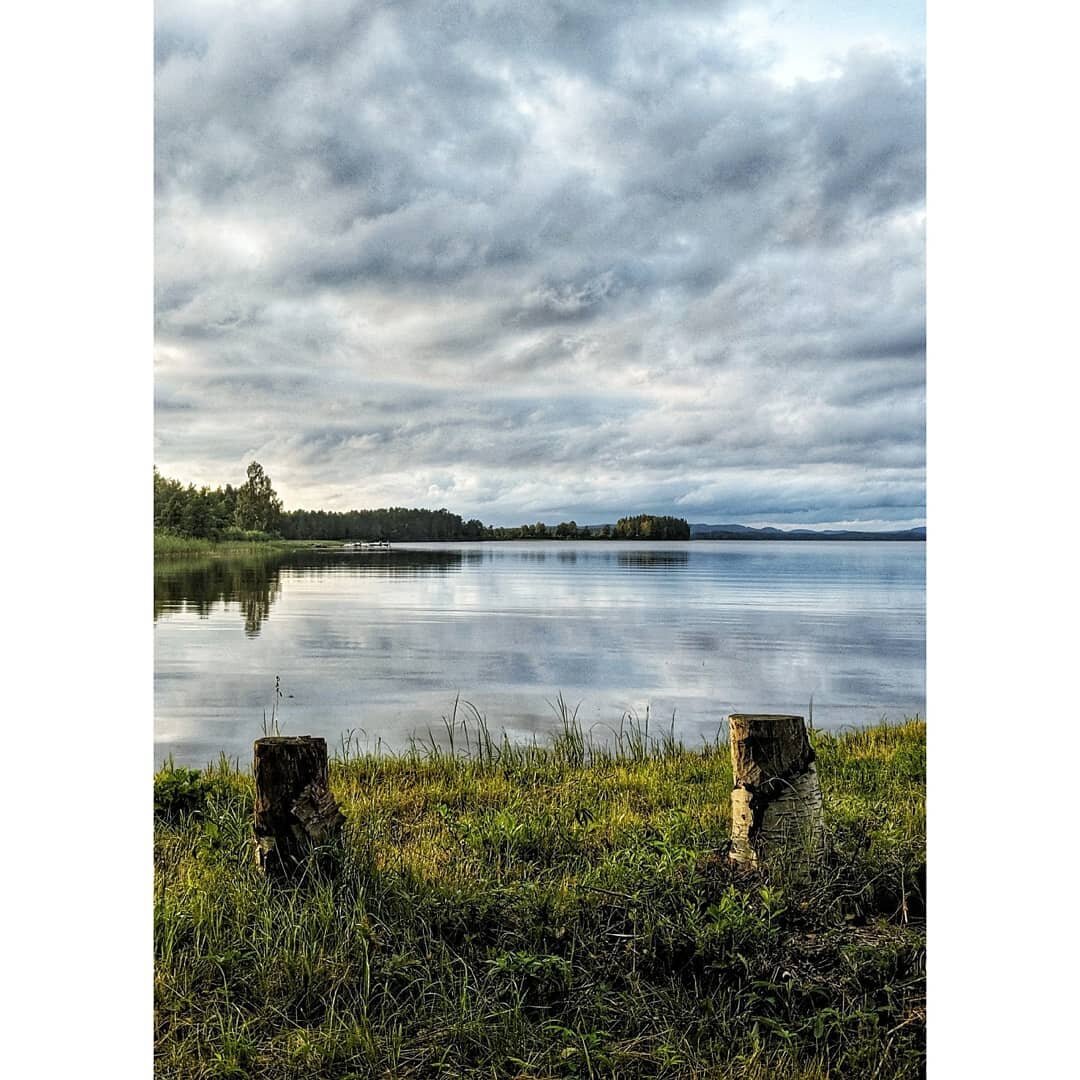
{"x": 557, "y": 912}
{"x": 169, "y": 544}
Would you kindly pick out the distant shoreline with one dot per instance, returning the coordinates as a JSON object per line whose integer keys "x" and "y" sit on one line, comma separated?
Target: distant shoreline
{"x": 915, "y": 535}
{"x": 190, "y": 520}
{"x": 187, "y": 548}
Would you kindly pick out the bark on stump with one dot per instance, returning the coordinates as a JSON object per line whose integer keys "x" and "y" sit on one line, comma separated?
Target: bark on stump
{"x": 295, "y": 813}
{"x": 776, "y": 801}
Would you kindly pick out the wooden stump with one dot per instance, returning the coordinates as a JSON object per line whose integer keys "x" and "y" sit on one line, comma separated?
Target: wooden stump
{"x": 776, "y": 801}
{"x": 295, "y": 813}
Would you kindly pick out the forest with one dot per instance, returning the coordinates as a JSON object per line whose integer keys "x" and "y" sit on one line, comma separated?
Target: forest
{"x": 253, "y": 511}
{"x": 641, "y": 527}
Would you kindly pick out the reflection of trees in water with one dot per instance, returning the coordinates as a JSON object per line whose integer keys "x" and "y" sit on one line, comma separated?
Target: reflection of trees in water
{"x": 664, "y": 559}
{"x": 256, "y": 606}
{"x": 568, "y": 556}
{"x": 390, "y": 564}
{"x": 606, "y": 555}
{"x": 255, "y": 584}
{"x": 531, "y": 556}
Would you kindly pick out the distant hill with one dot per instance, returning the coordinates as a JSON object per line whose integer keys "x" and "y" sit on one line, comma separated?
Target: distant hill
{"x": 745, "y": 532}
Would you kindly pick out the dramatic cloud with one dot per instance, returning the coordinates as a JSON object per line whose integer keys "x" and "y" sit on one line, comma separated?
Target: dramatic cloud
{"x": 544, "y": 260}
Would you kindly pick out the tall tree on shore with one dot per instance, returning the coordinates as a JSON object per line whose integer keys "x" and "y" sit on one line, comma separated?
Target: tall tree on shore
{"x": 257, "y": 504}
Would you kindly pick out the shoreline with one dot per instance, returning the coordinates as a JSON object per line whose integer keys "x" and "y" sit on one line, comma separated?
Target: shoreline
{"x": 183, "y": 546}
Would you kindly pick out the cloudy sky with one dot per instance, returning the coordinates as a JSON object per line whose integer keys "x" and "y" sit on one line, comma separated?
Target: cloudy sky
{"x": 546, "y": 260}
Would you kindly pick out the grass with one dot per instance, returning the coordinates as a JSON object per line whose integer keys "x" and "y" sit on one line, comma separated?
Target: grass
{"x": 169, "y": 544}
{"x": 558, "y": 911}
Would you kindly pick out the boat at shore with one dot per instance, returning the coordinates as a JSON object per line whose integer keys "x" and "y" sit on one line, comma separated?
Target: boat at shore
{"x": 367, "y": 547}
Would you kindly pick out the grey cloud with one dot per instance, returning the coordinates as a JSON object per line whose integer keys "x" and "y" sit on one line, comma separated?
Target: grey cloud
{"x": 870, "y": 136}
{"x": 521, "y": 254}
{"x": 905, "y": 343}
{"x": 170, "y": 403}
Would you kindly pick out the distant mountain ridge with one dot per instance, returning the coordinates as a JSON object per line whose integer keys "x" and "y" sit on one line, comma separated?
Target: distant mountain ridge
{"x": 745, "y": 532}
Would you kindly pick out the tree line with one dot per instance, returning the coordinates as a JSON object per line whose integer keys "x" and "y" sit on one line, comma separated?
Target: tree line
{"x": 640, "y": 527}
{"x": 250, "y": 511}
{"x": 393, "y": 523}
{"x": 253, "y": 511}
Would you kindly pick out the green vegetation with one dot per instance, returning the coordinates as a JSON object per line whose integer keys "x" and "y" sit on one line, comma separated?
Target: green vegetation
{"x": 395, "y": 523}
{"x": 189, "y": 520}
{"x": 249, "y": 543}
{"x": 566, "y": 911}
{"x": 641, "y": 527}
{"x": 247, "y": 514}
{"x": 651, "y": 527}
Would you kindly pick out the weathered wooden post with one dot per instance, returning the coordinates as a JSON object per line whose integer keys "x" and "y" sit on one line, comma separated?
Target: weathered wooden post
{"x": 294, "y": 809}
{"x": 776, "y": 800}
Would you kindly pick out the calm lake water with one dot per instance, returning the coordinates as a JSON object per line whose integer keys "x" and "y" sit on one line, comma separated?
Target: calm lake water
{"x": 382, "y": 644}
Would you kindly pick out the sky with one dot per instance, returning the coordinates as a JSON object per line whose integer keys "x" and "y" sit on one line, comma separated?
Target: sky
{"x": 547, "y": 260}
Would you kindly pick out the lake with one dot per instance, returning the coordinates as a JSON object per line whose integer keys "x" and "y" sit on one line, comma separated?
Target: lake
{"x": 381, "y": 644}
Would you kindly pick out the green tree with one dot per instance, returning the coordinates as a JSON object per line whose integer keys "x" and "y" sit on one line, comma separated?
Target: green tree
{"x": 652, "y": 527}
{"x": 257, "y": 504}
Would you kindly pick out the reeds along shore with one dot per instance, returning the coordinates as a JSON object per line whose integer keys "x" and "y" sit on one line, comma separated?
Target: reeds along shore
{"x": 169, "y": 544}
{"x": 557, "y": 911}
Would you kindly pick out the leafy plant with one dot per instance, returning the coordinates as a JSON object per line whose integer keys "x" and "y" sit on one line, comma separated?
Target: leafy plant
{"x": 179, "y": 791}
